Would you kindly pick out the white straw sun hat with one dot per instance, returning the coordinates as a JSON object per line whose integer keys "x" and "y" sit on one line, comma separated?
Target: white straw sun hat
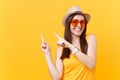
{"x": 74, "y": 9}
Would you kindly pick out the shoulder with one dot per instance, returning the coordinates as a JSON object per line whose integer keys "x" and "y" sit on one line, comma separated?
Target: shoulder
{"x": 91, "y": 39}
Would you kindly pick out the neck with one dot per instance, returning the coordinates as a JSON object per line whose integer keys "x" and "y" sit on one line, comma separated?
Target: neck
{"x": 76, "y": 41}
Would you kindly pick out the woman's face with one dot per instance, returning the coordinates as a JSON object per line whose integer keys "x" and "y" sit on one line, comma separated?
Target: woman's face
{"x": 77, "y": 25}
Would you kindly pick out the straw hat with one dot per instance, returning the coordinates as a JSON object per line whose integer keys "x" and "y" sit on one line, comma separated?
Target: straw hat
{"x": 74, "y": 9}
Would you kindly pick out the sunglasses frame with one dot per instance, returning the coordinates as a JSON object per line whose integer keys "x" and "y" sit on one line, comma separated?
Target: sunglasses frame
{"x": 75, "y": 22}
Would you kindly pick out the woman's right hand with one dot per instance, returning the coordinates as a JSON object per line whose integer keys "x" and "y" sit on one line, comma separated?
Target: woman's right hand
{"x": 45, "y": 47}
{"x": 62, "y": 42}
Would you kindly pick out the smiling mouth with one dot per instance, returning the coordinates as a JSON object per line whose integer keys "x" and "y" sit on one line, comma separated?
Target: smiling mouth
{"x": 78, "y": 29}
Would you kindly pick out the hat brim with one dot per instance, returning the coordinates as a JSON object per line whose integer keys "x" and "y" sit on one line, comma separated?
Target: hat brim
{"x": 87, "y": 16}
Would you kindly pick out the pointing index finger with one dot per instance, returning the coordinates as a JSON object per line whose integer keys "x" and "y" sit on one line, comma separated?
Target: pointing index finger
{"x": 57, "y": 36}
{"x": 42, "y": 38}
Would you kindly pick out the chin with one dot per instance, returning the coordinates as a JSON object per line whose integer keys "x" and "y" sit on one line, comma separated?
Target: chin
{"x": 77, "y": 34}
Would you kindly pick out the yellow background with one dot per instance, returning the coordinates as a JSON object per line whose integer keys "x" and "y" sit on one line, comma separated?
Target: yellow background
{"x": 22, "y": 22}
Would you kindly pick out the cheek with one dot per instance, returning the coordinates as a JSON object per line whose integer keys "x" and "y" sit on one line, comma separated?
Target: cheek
{"x": 71, "y": 28}
{"x": 82, "y": 30}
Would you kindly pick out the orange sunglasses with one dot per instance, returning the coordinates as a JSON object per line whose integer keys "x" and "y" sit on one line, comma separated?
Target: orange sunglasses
{"x": 75, "y": 22}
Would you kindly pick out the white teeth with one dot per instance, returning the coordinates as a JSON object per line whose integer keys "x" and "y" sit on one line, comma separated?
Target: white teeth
{"x": 78, "y": 29}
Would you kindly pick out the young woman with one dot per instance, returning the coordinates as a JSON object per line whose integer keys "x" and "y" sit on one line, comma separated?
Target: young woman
{"x": 76, "y": 54}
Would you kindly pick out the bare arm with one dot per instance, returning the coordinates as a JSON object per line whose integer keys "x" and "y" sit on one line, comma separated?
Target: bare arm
{"x": 90, "y": 59}
{"x": 59, "y": 63}
{"x": 52, "y": 68}
{"x": 55, "y": 72}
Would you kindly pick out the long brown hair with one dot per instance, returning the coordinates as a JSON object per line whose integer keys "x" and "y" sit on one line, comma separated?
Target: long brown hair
{"x": 68, "y": 37}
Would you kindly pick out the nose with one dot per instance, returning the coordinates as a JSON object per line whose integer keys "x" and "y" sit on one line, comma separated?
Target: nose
{"x": 79, "y": 25}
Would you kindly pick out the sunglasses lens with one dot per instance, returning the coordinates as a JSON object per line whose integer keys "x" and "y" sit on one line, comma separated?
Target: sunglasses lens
{"x": 74, "y": 22}
{"x": 82, "y": 22}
